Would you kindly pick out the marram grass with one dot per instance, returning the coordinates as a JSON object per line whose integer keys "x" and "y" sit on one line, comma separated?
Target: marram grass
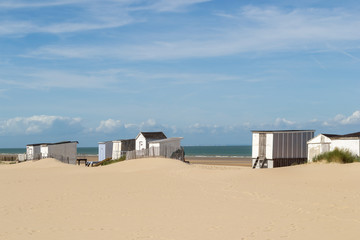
{"x": 338, "y": 156}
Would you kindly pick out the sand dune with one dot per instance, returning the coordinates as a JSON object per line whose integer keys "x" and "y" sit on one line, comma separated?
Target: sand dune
{"x": 167, "y": 199}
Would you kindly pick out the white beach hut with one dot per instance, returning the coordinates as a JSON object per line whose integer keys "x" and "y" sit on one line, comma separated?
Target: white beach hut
{"x": 272, "y": 149}
{"x": 33, "y": 151}
{"x": 121, "y": 147}
{"x": 143, "y": 138}
{"x": 328, "y": 142}
{"x": 105, "y": 150}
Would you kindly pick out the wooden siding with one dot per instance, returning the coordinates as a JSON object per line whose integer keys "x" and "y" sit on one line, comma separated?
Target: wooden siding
{"x": 291, "y": 144}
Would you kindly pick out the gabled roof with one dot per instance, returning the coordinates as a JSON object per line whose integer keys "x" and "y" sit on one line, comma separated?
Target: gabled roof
{"x": 152, "y": 135}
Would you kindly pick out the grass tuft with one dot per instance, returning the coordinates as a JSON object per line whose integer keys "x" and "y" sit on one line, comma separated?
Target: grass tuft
{"x": 337, "y": 156}
{"x": 111, "y": 161}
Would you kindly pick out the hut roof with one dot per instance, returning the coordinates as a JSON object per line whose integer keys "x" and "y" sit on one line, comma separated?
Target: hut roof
{"x": 336, "y": 136}
{"x": 153, "y": 135}
{"x": 280, "y": 131}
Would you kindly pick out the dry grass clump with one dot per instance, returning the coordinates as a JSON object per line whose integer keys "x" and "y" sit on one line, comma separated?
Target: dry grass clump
{"x": 337, "y": 156}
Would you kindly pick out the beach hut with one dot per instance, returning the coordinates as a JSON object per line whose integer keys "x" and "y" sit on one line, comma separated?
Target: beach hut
{"x": 33, "y": 151}
{"x": 328, "y": 142}
{"x": 64, "y": 151}
{"x": 164, "y": 147}
{"x": 282, "y": 148}
{"x": 120, "y": 147}
{"x": 105, "y": 150}
{"x": 143, "y": 138}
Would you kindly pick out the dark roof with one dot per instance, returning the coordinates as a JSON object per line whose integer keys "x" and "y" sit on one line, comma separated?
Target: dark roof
{"x": 153, "y": 135}
{"x": 38, "y": 144}
{"x": 350, "y": 135}
{"x": 332, "y": 135}
{"x": 276, "y": 131}
{"x": 357, "y": 134}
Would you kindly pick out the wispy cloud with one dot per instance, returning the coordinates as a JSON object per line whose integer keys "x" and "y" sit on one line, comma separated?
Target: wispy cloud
{"x": 254, "y": 29}
{"x": 86, "y": 14}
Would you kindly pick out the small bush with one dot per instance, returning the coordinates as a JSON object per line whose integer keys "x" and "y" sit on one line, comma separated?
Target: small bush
{"x": 111, "y": 161}
{"x": 338, "y": 156}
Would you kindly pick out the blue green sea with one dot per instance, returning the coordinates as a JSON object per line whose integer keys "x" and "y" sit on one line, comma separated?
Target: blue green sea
{"x": 213, "y": 151}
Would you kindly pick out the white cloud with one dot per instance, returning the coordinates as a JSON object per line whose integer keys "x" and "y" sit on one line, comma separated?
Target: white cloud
{"x": 112, "y": 125}
{"x": 340, "y": 119}
{"x": 37, "y": 124}
{"x": 109, "y": 125}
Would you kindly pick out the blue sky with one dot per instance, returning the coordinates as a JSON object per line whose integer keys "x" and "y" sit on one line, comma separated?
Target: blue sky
{"x": 209, "y": 71}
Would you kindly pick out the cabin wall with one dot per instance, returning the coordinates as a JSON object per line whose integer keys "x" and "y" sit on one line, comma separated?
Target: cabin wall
{"x": 255, "y": 147}
{"x": 116, "y": 150}
{"x": 120, "y": 147}
{"x": 141, "y": 142}
{"x": 315, "y": 149}
{"x": 33, "y": 152}
{"x": 350, "y": 144}
{"x": 44, "y": 151}
{"x": 105, "y": 150}
{"x": 318, "y": 145}
{"x": 269, "y": 145}
{"x": 101, "y": 151}
{"x": 108, "y": 150}
{"x": 127, "y": 145}
{"x": 164, "y": 148}
{"x": 66, "y": 152}
{"x": 291, "y": 144}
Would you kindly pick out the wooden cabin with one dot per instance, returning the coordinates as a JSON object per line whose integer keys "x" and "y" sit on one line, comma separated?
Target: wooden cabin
{"x": 328, "y": 142}
{"x": 282, "y": 148}
{"x": 143, "y": 138}
{"x": 105, "y": 150}
{"x": 121, "y": 147}
{"x": 63, "y": 151}
{"x": 164, "y": 147}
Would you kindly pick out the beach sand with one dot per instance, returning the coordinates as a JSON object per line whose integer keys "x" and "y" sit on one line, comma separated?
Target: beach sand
{"x": 226, "y": 161}
{"x": 168, "y": 199}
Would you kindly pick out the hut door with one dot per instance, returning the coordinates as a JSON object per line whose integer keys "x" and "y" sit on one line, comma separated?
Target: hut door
{"x": 262, "y": 145}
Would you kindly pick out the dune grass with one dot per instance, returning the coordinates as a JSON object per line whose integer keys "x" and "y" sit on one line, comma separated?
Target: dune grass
{"x": 338, "y": 156}
{"x": 111, "y": 161}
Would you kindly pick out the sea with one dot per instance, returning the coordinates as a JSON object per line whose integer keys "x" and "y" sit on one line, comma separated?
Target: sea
{"x": 196, "y": 151}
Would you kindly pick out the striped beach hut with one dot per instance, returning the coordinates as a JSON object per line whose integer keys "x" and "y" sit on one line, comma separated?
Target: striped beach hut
{"x": 281, "y": 148}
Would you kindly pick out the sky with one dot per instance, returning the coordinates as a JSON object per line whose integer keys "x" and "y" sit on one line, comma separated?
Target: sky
{"x": 206, "y": 70}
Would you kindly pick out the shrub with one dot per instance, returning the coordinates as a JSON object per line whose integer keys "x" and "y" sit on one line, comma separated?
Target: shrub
{"x": 110, "y": 161}
{"x": 337, "y": 155}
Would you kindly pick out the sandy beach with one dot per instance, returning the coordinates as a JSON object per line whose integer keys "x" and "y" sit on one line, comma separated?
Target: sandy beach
{"x": 168, "y": 199}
